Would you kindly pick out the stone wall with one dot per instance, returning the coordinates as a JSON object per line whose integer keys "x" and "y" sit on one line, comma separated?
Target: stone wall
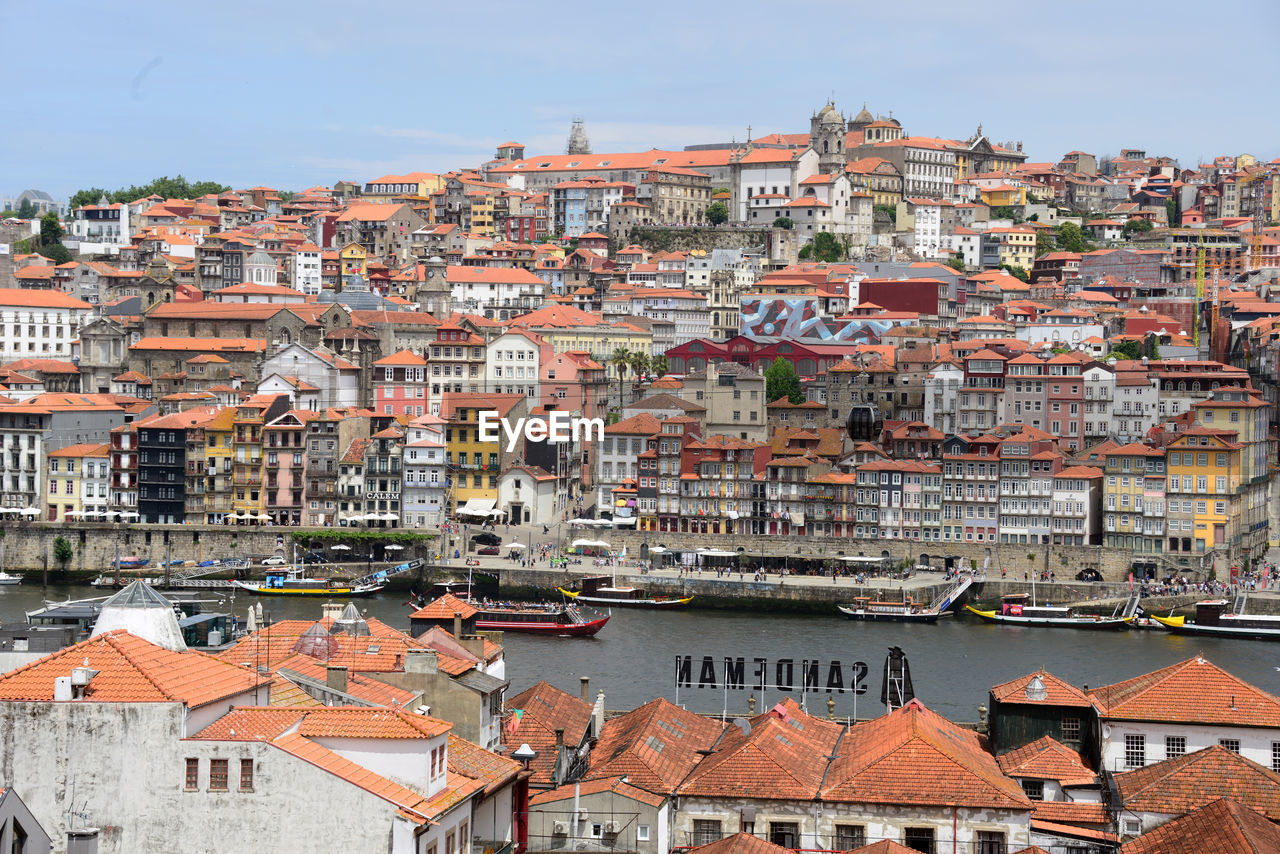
{"x": 684, "y": 239}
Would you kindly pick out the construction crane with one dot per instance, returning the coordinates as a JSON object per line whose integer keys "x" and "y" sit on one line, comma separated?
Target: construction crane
{"x": 1252, "y": 182}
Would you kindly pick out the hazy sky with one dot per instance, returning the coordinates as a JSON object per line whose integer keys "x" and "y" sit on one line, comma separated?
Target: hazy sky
{"x": 294, "y": 94}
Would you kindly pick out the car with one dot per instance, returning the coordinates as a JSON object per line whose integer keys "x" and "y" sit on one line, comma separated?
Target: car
{"x": 274, "y": 560}
{"x": 488, "y": 550}
{"x": 312, "y": 557}
{"x": 487, "y": 539}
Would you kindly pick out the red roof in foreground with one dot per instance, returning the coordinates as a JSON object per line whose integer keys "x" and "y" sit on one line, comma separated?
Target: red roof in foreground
{"x": 1222, "y": 827}
{"x": 1193, "y": 691}
{"x": 741, "y": 843}
{"x": 1178, "y": 786}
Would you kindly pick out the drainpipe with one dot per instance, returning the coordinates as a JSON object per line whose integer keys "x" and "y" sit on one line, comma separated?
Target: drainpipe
{"x": 955, "y": 829}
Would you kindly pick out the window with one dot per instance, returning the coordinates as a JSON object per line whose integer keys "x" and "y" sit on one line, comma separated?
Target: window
{"x": 850, "y": 836}
{"x": 1034, "y": 789}
{"x": 990, "y": 842}
{"x": 784, "y": 833}
{"x": 705, "y": 831}
{"x": 642, "y": 833}
{"x": 1232, "y": 744}
{"x": 450, "y": 843}
{"x": 1174, "y": 746}
{"x": 193, "y": 774}
{"x": 1275, "y": 756}
{"x": 1135, "y": 751}
{"x": 218, "y": 775}
{"x": 918, "y": 839}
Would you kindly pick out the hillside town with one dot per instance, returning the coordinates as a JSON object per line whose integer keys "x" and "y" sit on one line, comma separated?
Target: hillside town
{"x": 842, "y": 341}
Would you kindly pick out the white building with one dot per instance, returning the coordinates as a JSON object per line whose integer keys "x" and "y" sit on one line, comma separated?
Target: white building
{"x": 687, "y": 312}
{"x": 498, "y": 293}
{"x": 926, "y": 218}
{"x": 513, "y": 362}
{"x": 1135, "y": 408}
{"x": 773, "y": 172}
{"x": 1062, "y": 327}
{"x": 424, "y": 473}
{"x": 942, "y": 396}
{"x": 1181, "y": 709}
{"x": 527, "y": 494}
{"x": 337, "y": 380}
{"x": 38, "y": 323}
{"x": 307, "y": 269}
{"x": 1099, "y": 392}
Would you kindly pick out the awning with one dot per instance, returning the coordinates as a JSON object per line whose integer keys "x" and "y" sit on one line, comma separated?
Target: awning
{"x": 477, "y": 507}
{"x": 624, "y": 521}
{"x": 732, "y": 514}
{"x": 797, "y": 518}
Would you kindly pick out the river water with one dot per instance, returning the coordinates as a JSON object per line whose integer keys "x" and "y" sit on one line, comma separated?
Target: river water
{"x": 953, "y": 663}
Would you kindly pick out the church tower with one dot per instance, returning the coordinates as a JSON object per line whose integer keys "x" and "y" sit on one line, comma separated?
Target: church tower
{"x": 826, "y": 136}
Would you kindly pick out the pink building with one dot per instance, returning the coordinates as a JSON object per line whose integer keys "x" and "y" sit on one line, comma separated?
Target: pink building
{"x": 400, "y": 384}
{"x": 283, "y": 451}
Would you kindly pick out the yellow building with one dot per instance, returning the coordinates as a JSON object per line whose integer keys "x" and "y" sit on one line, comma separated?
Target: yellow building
{"x": 1004, "y": 195}
{"x": 1134, "y": 498}
{"x": 1237, "y": 411}
{"x": 209, "y": 468}
{"x": 480, "y": 207}
{"x": 78, "y": 476}
{"x": 246, "y": 461}
{"x": 1017, "y": 246}
{"x": 1204, "y": 480}
{"x": 474, "y": 465}
{"x": 354, "y": 259}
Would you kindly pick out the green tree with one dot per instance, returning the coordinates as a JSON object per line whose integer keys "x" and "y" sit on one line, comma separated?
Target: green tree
{"x": 1016, "y": 271}
{"x": 826, "y": 248}
{"x": 1070, "y": 237}
{"x": 888, "y": 210}
{"x": 717, "y": 213}
{"x": 27, "y": 210}
{"x": 1151, "y": 346}
{"x": 780, "y": 380}
{"x": 718, "y": 190}
{"x": 62, "y": 551}
{"x": 639, "y": 363}
{"x": 1127, "y": 350}
{"x": 1044, "y": 242}
{"x": 286, "y": 195}
{"x": 170, "y": 188}
{"x": 1141, "y": 226}
{"x": 659, "y": 365}
{"x": 50, "y": 229}
{"x": 1171, "y": 211}
{"x": 621, "y": 360}
{"x": 784, "y": 222}
{"x": 91, "y": 196}
{"x": 956, "y": 263}
{"x": 57, "y": 253}
{"x": 1004, "y": 212}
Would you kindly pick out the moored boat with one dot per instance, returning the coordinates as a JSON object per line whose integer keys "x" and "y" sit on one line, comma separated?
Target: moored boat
{"x": 1017, "y": 609}
{"x": 551, "y": 619}
{"x": 1210, "y": 621}
{"x": 908, "y": 610}
{"x": 8, "y": 580}
{"x": 602, "y": 590}
{"x": 293, "y": 581}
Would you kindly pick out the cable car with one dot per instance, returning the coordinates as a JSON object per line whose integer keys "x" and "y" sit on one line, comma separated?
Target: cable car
{"x": 865, "y": 423}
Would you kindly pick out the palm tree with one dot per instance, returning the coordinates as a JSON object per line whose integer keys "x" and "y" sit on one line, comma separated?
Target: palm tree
{"x": 639, "y": 363}
{"x": 658, "y": 365}
{"x": 621, "y": 360}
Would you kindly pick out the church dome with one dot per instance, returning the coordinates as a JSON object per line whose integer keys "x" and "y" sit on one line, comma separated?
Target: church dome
{"x": 260, "y": 258}
{"x": 829, "y": 114}
{"x": 863, "y": 117}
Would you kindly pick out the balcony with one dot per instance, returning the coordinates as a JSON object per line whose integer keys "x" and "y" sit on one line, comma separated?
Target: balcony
{"x": 246, "y": 479}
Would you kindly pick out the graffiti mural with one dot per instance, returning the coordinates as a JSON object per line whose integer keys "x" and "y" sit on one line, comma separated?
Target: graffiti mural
{"x": 798, "y": 318}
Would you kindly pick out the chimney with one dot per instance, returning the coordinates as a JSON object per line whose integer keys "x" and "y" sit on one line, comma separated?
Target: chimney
{"x": 457, "y": 625}
{"x": 585, "y": 690}
{"x": 335, "y": 676}
{"x": 82, "y": 840}
{"x": 420, "y": 661}
{"x": 555, "y": 768}
{"x": 598, "y": 712}
{"x": 331, "y": 610}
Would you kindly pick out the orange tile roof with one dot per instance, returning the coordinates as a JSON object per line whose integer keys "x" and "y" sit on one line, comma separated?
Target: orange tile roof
{"x": 132, "y": 670}
{"x": 654, "y": 747}
{"x": 1047, "y": 759}
{"x": 740, "y": 843}
{"x": 445, "y": 608}
{"x": 363, "y": 687}
{"x": 616, "y": 785}
{"x": 1222, "y": 827}
{"x": 1071, "y": 812}
{"x": 887, "y": 846}
{"x": 359, "y": 722}
{"x": 915, "y": 756}
{"x": 413, "y": 804}
{"x": 1057, "y": 692}
{"x": 40, "y": 299}
{"x": 1193, "y": 691}
{"x": 1178, "y": 786}
{"x": 544, "y": 709}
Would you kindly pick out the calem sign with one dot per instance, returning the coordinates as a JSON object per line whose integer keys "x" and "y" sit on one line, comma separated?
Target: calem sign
{"x": 559, "y": 428}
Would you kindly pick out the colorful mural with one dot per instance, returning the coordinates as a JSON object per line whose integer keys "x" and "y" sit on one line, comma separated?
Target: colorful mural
{"x": 797, "y": 318}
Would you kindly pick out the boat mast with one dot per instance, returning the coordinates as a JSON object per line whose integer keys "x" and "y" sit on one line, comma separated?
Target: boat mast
{"x": 117, "y": 564}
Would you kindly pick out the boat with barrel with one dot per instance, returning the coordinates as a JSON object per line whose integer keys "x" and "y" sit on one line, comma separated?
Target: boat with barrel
{"x": 293, "y": 581}
{"x": 557, "y": 620}
{"x": 605, "y": 590}
{"x": 908, "y": 610}
{"x": 1212, "y": 619}
{"x": 1019, "y": 609}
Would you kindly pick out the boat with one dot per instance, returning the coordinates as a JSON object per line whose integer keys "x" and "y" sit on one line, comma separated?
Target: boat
{"x": 293, "y": 581}
{"x": 1019, "y": 609}
{"x": 132, "y": 562}
{"x": 604, "y": 590}
{"x": 550, "y": 619}
{"x": 1210, "y": 621}
{"x": 908, "y": 610}
{"x": 8, "y": 580}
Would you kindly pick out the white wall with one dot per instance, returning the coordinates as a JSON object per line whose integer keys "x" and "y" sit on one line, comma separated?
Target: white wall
{"x": 1255, "y": 743}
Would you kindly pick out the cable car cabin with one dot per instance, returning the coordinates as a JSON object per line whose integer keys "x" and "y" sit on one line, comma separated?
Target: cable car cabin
{"x": 865, "y": 423}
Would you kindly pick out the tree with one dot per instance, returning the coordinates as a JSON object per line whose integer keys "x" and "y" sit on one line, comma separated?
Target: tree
{"x": 57, "y": 253}
{"x": 1004, "y": 212}
{"x": 1171, "y": 211}
{"x": 780, "y": 380}
{"x": 639, "y": 363}
{"x": 1127, "y": 350}
{"x": 784, "y": 222}
{"x": 1016, "y": 271}
{"x": 1044, "y": 243}
{"x": 62, "y": 551}
{"x": 1151, "y": 346}
{"x": 956, "y": 263}
{"x": 826, "y": 248}
{"x": 90, "y": 196}
{"x": 1070, "y": 237}
{"x": 1141, "y": 226}
{"x": 658, "y": 365}
{"x": 717, "y": 213}
{"x": 169, "y": 188}
{"x": 621, "y": 360}
{"x": 888, "y": 210}
{"x": 50, "y": 229}
{"x": 27, "y": 210}
{"x": 718, "y": 190}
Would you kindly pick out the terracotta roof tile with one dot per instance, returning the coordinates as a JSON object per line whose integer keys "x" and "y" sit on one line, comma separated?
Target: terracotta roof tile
{"x": 359, "y": 722}
{"x": 654, "y": 747}
{"x": 1193, "y": 691}
{"x": 740, "y": 843}
{"x": 1178, "y": 786}
{"x": 1057, "y": 692}
{"x": 1222, "y": 827}
{"x": 1047, "y": 759}
{"x": 445, "y": 608}
{"x": 617, "y": 785}
{"x": 544, "y": 709}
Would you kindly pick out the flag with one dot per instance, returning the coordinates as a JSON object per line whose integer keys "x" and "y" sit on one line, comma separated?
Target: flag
{"x": 514, "y": 723}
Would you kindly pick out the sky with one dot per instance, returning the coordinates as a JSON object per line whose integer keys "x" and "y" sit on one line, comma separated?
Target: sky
{"x": 296, "y": 94}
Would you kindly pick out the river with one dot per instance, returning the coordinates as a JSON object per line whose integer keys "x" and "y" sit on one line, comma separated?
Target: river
{"x": 953, "y": 663}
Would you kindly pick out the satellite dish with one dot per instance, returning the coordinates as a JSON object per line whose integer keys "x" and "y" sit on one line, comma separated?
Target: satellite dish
{"x": 743, "y": 724}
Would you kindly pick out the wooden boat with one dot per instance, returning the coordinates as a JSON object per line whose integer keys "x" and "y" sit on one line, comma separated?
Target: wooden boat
{"x": 603, "y": 590}
{"x": 1017, "y": 609}
{"x": 293, "y": 581}
{"x": 555, "y": 620}
{"x": 908, "y": 610}
{"x": 1210, "y": 621}
{"x": 8, "y": 580}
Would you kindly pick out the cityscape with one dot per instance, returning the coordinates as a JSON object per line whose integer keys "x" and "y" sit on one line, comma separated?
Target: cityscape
{"x": 778, "y": 461}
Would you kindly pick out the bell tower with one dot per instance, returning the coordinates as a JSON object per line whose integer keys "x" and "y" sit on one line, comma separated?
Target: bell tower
{"x": 826, "y": 136}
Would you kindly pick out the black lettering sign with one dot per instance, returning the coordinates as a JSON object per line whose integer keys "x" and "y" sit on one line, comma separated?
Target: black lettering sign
{"x": 859, "y": 684}
{"x": 733, "y": 673}
{"x": 684, "y": 671}
{"x": 761, "y": 672}
{"x": 707, "y": 673}
{"x": 835, "y": 678}
{"x": 784, "y": 674}
{"x": 809, "y": 675}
